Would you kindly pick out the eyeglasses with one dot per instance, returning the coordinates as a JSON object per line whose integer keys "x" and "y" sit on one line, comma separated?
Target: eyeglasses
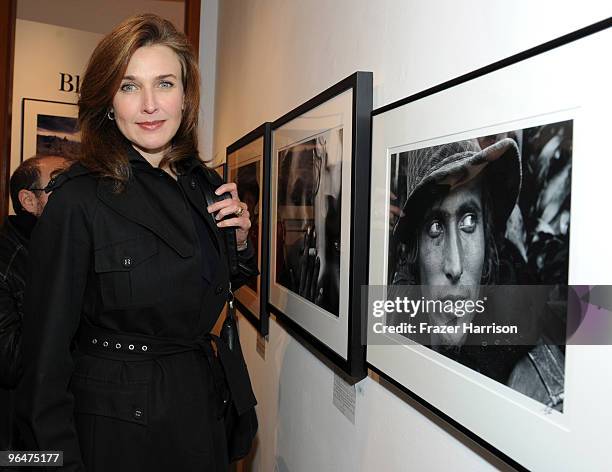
{"x": 47, "y": 188}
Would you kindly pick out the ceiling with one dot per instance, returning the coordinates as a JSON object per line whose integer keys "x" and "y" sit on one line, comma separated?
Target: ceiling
{"x": 97, "y": 16}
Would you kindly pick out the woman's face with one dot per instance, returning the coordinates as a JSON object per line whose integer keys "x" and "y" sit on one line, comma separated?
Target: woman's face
{"x": 149, "y": 103}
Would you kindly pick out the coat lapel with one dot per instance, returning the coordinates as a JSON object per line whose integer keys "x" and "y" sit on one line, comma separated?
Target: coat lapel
{"x": 133, "y": 205}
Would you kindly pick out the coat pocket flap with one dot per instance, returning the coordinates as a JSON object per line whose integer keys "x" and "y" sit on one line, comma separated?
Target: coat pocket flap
{"x": 127, "y": 402}
{"x": 125, "y": 255}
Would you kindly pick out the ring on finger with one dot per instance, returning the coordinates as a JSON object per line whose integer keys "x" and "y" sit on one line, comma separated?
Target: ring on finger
{"x": 239, "y": 212}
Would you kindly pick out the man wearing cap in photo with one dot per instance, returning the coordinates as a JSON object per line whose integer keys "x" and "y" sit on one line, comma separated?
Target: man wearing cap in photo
{"x": 459, "y": 198}
{"x": 450, "y": 233}
{"x": 451, "y": 238}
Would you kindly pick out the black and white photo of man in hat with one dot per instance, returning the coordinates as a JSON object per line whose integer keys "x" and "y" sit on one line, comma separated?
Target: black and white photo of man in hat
{"x": 481, "y": 212}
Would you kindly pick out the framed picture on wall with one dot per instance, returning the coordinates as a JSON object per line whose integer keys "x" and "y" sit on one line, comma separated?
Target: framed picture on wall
{"x": 479, "y": 185}
{"x": 318, "y": 222}
{"x": 248, "y": 165}
{"x": 49, "y": 127}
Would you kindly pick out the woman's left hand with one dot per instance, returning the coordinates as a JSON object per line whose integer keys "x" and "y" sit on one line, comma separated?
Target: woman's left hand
{"x": 231, "y": 206}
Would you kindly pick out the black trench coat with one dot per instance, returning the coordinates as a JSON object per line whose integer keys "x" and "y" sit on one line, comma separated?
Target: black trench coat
{"x": 129, "y": 267}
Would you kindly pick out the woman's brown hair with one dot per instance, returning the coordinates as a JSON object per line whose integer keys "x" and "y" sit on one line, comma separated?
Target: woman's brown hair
{"x": 103, "y": 147}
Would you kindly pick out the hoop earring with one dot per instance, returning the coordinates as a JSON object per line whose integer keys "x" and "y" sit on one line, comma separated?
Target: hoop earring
{"x": 110, "y": 114}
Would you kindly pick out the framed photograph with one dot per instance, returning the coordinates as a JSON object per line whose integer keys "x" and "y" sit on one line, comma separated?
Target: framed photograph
{"x": 484, "y": 185}
{"x": 318, "y": 222}
{"x": 248, "y": 165}
{"x": 49, "y": 128}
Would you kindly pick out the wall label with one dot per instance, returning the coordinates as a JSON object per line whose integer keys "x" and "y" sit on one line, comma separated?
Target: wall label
{"x": 345, "y": 397}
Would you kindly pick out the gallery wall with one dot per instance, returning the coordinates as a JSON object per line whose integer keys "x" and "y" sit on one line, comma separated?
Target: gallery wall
{"x": 43, "y": 52}
{"x": 209, "y": 13}
{"x": 273, "y": 55}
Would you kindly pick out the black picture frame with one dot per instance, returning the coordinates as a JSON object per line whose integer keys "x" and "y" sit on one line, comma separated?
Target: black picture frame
{"x": 253, "y": 304}
{"x": 342, "y": 346}
{"x": 57, "y": 115}
{"x": 508, "y": 435}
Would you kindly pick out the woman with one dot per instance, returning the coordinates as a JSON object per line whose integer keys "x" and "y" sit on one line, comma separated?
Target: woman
{"x": 129, "y": 274}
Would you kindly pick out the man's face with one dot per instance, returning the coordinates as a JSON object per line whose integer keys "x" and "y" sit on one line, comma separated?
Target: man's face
{"x": 49, "y": 167}
{"x": 451, "y": 252}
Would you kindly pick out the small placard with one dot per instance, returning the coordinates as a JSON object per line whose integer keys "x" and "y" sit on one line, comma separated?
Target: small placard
{"x": 261, "y": 346}
{"x": 345, "y": 397}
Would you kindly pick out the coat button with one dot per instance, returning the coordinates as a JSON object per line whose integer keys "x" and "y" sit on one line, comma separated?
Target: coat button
{"x": 192, "y": 184}
{"x": 138, "y": 414}
{"x": 219, "y": 289}
{"x": 127, "y": 261}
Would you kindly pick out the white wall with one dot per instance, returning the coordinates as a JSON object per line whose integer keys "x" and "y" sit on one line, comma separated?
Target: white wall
{"x": 209, "y": 12}
{"x": 42, "y": 51}
{"x": 275, "y": 54}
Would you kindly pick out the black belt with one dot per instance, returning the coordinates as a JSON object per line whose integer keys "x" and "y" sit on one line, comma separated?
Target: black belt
{"x": 133, "y": 347}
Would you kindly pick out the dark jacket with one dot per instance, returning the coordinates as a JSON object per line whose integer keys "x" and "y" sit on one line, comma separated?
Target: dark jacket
{"x": 121, "y": 273}
{"x": 14, "y": 239}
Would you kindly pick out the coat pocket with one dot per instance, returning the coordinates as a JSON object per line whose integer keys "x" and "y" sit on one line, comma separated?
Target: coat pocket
{"x": 128, "y": 272}
{"x": 124, "y": 401}
{"x": 111, "y": 417}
